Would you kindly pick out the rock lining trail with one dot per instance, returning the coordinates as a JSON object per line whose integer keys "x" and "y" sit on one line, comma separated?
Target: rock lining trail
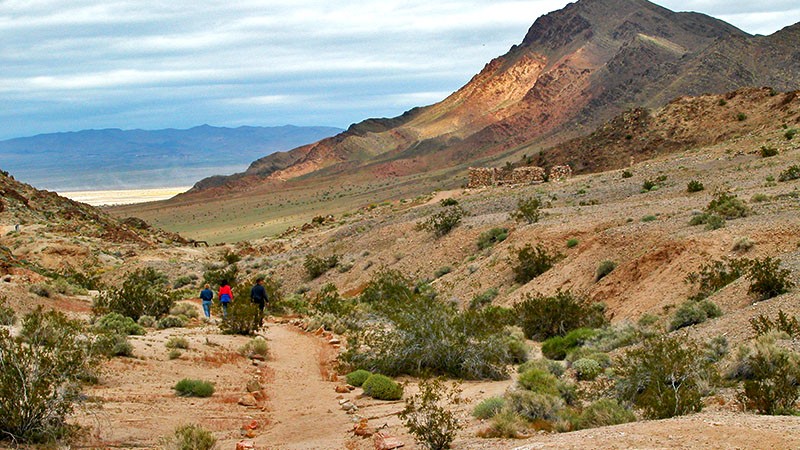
{"x": 303, "y": 408}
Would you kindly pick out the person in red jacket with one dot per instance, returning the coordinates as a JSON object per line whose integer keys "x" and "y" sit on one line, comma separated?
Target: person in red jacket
{"x": 225, "y": 297}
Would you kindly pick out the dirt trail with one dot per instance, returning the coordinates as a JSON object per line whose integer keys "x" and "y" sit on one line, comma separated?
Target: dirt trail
{"x": 303, "y": 407}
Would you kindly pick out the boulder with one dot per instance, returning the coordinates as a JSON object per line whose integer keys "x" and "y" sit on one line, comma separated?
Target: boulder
{"x": 248, "y": 400}
{"x": 245, "y": 445}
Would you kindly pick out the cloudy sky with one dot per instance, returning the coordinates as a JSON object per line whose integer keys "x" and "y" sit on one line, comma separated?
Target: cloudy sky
{"x": 77, "y": 64}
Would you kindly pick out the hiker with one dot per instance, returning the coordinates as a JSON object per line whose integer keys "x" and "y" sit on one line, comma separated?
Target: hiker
{"x": 258, "y": 295}
{"x": 207, "y": 295}
{"x": 225, "y": 297}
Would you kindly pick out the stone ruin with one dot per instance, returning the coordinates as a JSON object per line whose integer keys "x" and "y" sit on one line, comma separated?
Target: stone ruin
{"x": 484, "y": 177}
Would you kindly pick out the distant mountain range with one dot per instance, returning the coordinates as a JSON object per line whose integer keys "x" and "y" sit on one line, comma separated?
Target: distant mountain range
{"x": 575, "y": 69}
{"x": 114, "y": 158}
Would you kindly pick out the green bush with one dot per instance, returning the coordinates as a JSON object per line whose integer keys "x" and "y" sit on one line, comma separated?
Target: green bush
{"x": 605, "y": 268}
{"x": 790, "y": 133}
{"x": 442, "y": 271}
{"x": 483, "y": 299}
{"x": 231, "y": 258}
{"x": 605, "y": 412}
{"x": 41, "y": 289}
{"x": 191, "y": 437}
{"x": 543, "y": 317}
{"x": 381, "y": 387}
{"x": 767, "y": 151}
{"x": 792, "y": 173}
{"x": 784, "y": 323}
{"x": 767, "y": 279}
{"x": 649, "y": 218}
{"x": 194, "y": 388}
{"x": 627, "y": 174}
{"x": 427, "y": 417}
{"x": 505, "y": 424}
{"x": 572, "y": 242}
{"x": 544, "y": 364}
{"x": 716, "y": 275}
{"x": 665, "y": 377}
{"x": 171, "y": 322}
{"x": 603, "y": 359}
{"x": 357, "y": 377}
{"x": 40, "y": 375}
{"x": 177, "y": 342}
{"x": 694, "y": 312}
{"x": 174, "y": 354}
{"x": 7, "y": 314}
{"x": 187, "y": 310}
{"x": 118, "y": 324}
{"x": 540, "y": 381}
{"x": 443, "y": 222}
{"x": 557, "y": 347}
{"x": 242, "y": 317}
{"x": 694, "y": 186}
{"x": 741, "y": 117}
{"x": 491, "y": 237}
{"x": 711, "y": 221}
{"x": 488, "y": 408}
{"x": 727, "y": 206}
{"x": 147, "y": 321}
{"x": 532, "y": 262}
{"x": 535, "y": 405}
{"x": 773, "y": 379}
{"x": 215, "y": 276}
{"x": 143, "y": 292}
{"x": 328, "y": 301}
{"x": 183, "y": 281}
{"x": 255, "y": 347}
{"x": 528, "y": 210}
{"x": 316, "y": 266}
{"x": 586, "y": 369}
{"x": 445, "y": 202}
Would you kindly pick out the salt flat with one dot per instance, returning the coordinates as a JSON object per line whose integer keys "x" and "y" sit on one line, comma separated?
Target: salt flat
{"x": 124, "y": 196}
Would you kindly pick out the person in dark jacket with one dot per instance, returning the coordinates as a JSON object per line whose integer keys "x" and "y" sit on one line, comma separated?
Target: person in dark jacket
{"x": 258, "y": 295}
{"x": 207, "y": 295}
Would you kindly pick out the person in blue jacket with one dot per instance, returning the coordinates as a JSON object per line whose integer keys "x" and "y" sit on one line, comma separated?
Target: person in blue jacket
{"x": 207, "y": 295}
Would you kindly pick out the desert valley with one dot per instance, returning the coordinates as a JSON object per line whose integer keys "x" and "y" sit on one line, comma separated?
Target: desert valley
{"x": 595, "y": 243}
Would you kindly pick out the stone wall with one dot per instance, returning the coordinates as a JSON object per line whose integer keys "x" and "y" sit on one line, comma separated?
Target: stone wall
{"x": 558, "y": 173}
{"x": 483, "y": 177}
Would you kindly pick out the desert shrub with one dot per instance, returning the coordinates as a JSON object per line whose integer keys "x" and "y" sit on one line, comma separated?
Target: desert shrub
{"x": 605, "y": 268}
{"x": 792, "y": 173}
{"x": 7, "y": 314}
{"x": 190, "y": 437}
{"x": 183, "y": 281}
{"x": 572, "y": 242}
{"x": 444, "y": 221}
{"x": 693, "y": 312}
{"x": 773, "y": 379}
{"x": 767, "y": 151}
{"x": 118, "y": 324}
{"x": 177, "y": 342}
{"x": 483, "y": 299}
{"x": 528, "y": 210}
{"x": 664, "y": 377}
{"x": 442, "y": 271}
{"x": 605, "y": 412}
{"x": 649, "y": 218}
{"x": 142, "y": 293}
{"x": 231, "y": 258}
{"x": 543, "y": 317}
{"x": 381, "y": 387}
{"x": 532, "y": 262}
{"x": 194, "y": 388}
{"x": 540, "y": 381}
{"x": 83, "y": 280}
{"x": 535, "y": 405}
{"x": 445, "y": 202}
{"x": 255, "y": 347}
{"x": 741, "y": 117}
{"x": 711, "y": 221}
{"x": 41, "y": 289}
{"x": 627, "y": 174}
{"x": 293, "y": 303}
{"x": 187, "y": 310}
{"x": 742, "y": 244}
{"x": 548, "y": 365}
{"x": 328, "y": 301}
{"x": 586, "y": 369}
{"x": 427, "y": 417}
{"x": 215, "y": 276}
{"x": 727, "y": 206}
{"x": 557, "y": 347}
{"x": 716, "y": 275}
{"x": 112, "y": 345}
{"x": 790, "y": 134}
{"x": 40, "y": 375}
{"x": 488, "y": 407}
{"x": 715, "y": 349}
{"x": 147, "y": 321}
{"x": 174, "y": 354}
{"x": 694, "y": 186}
{"x": 505, "y": 424}
{"x": 589, "y": 353}
{"x": 316, "y": 266}
{"x": 171, "y": 322}
{"x": 241, "y": 318}
{"x": 611, "y": 338}
{"x": 64, "y": 287}
{"x": 767, "y": 279}
{"x": 491, "y": 237}
{"x": 784, "y": 323}
{"x": 357, "y": 377}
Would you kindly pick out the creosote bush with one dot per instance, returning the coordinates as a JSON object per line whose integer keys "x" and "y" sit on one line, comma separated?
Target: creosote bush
{"x": 728, "y": 206}
{"x": 792, "y": 173}
{"x": 143, "y": 292}
{"x": 187, "y": 310}
{"x": 542, "y": 317}
{"x": 605, "y": 268}
{"x": 381, "y": 387}
{"x": 767, "y": 279}
{"x": 528, "y": 210}
{"x": 241, "y": 317}
{"x": 532, "y": 262}
{"x": 694, "y": 186}
{"x": 665, "y": 377}
{"x": 784, "y": 323}
{"x": 116, "y": 323}
{"x": 316, "y": 266}
{"x": 714, "y": 276}
{"x": 487, "y": 408}
{"x": 194, "y": 388}
{"x": 693, "y": 312}
{"x": 483, "y": 299}
{"x": 190, "y": 437}
{"x": 772, "y": 385}
{"x": 444, "y": 221}
{"x": 357, "y": 377}
{"x": 491, "y": 237}
{"x": 427, "y": 416}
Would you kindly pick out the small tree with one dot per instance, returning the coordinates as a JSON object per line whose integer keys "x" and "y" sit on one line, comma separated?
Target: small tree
{"x": 144, "y": 292}
{"x": 527, "y": 210}
{"x": 444, "y": 221}
{"x": 426, "y": 415}
{"x": 532, "y": 262}
{"x": 768, "y": 279}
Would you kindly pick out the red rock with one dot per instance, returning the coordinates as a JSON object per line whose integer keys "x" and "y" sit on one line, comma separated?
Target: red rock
{"x": 245, "y": 445}
{"x": 386, "y": 442}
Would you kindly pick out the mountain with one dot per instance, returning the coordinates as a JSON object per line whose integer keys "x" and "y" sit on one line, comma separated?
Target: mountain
{"x": 114, "y": 158}
{"x": 575, "y": 68}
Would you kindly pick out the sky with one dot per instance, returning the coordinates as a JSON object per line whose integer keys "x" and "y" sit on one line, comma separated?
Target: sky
{"x": 68, "y": 65}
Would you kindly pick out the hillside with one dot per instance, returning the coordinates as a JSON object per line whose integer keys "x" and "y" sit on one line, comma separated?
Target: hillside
{"x": 113, "y": 158}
